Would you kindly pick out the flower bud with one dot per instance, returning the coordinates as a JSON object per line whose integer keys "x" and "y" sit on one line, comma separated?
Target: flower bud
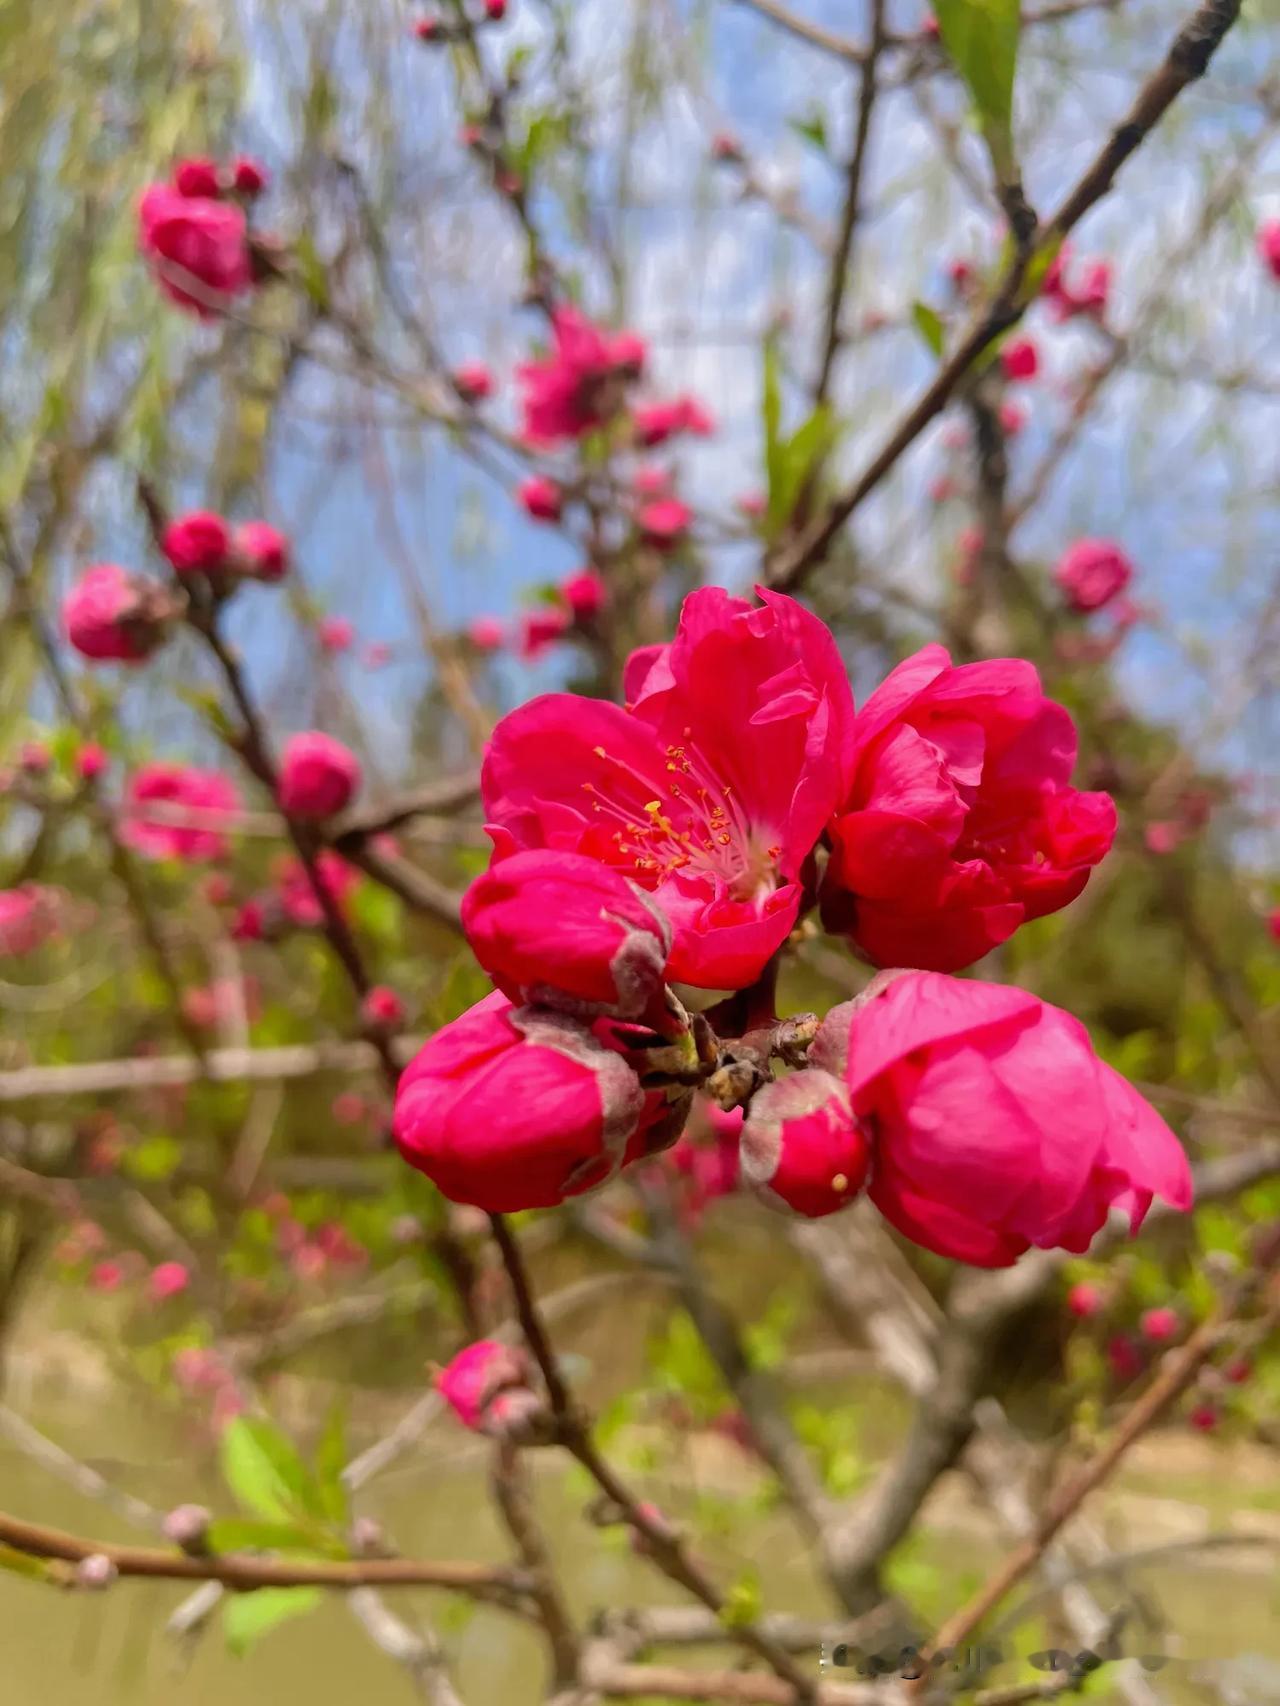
{"x": 509, "y": 1108}
{"x": 473, "y": 381}
{"x": 249, "y": 176}
{"x": 1159, "y": 1325}
{"x": 196, "y": 543}
{"x": 1084, "y": 1300}
{"x": 368, "y": 1537}
{"x": 187, "y": 1526}
{"x": 562, "y": 930}
{"x": 382, "y": 1009}
{"x": 1092, "y": 572}
{"x": 801, "y": 1146}
{"x": 1020, "y": 359}
{"x": 197, "y": 177}
{"x": 318, "y": 775}
{"x": 477, "y": 1375}
{"x": 541, "y": 498}
{"x": 95, "y": 1572}
{"x": 262, "y": 549}
{"x": 112, "y": 616}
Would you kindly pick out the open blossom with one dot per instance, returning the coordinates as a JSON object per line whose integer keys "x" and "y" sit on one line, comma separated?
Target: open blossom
{"x": 112, "y": 616}
{"x": 655, "y": 423}
{"x": 1088, "y": 291}
{"x": 1269, "y": 245}
{"x": 1020, "y": 359}
{"x": 209, "y": 797}
{"x": 541, "y": 628}
{"x": 710, "y": 790}
{"x": 541, "y": 497}
{"x": 961, "y": 823}
{"x": 167, "y": 1279}
{"x": 581, "y": 384}
{"x": 562, "y": 930}
{"x": 585, "y": 593}
{"x": 335, "y": 633}
{"x": 297, "y": 894}
{"x": 1092, "y": 572}
{"x": 664, "y": 521}
{"x": 318, "y": 775}
{"x": 509, "y": 1108}
{"x": 194, "y": 243}
{"x": 262, "y": 549}
{"x": 801, "y": 1148}
{"x": 486, "y": 633}
{"x": 197, "y": 542}
{"x": 28, "y": 918}
{"x": 993, "y": 1125}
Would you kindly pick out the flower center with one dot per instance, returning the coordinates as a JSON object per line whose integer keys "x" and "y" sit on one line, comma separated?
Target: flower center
{"x": 700, "y": 829}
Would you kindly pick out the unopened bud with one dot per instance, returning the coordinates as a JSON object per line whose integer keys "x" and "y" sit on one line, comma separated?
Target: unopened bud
{"x": 95, "y": 1572}
{"x": 187, "y": 1526}
{"x": 802, "y": 1147}
{"x": 368, "y": 1538}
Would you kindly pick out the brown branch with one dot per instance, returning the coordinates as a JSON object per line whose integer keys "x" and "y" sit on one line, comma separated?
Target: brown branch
{"x": 244, "y": 1573}
{"x": 1176, "y": 1375}
{"x": 218, "y": 1066}
{"x": 842, "y": 260}
{"x": 1187, "y": 59}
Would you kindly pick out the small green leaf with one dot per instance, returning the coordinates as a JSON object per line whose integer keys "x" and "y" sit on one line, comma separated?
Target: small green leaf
{"x": 981, "y": 37}
{"x": 330, "y": 1460}
{"x": 263, "y": 1470}
{"x": 247, "y": 1617}
{"x": 928, "y": 322}
{"x": 743, "y": 1602}
{"x": 315, "y": 280}
{"x": 23, "y": 1564}
{"x": 813, "y": 128}
{"x": 244, "y": 1534}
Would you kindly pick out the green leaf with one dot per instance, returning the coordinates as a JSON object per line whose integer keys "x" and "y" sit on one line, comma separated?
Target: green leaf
{"x": 981, "y": 36}
{"x": 796, "y": 459}
{"x": 244, "y": 1534}
{"x": 23, "y": 1564}
{"x": 928, "y": 322}
{"x": 743, "y": 1603}
{"x": 813, "y": 128}
{"x": 330, "y": 1460}
{"x": 262, "y": 1468}
{"x": 247, "y": 1617}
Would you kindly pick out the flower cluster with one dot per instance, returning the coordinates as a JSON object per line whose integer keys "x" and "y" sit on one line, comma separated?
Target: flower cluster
{"x": 194, "y": 232}
{"x": 663, "y": 852}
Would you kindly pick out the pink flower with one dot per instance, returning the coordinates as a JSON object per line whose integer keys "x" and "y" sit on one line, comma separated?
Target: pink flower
{"x": 495, "y": 10}
{"x": 541, "y": 628}
{"x": 112, "y": 616}
{"x": 665, "y": 521}
{"x": 726, "y": 147}
{"x": 1092, "y": 572}
{"x": 210, "y": 799}
{"x": 318, "y": 775}
{"x": 34, "y": 757}
{"x": 473, "y": 381}
{"x": 1237, "y": 1371}
{"x": 706, "y": 1168}
{"x": 1159, "y": 1324}
{"x": 168, "y": 1279}
{"x": 486, "y": 634}
{"x": 655, "y": 423}
{"x": 249, "y": 175}
{"x": 1163, "y": 838}
{"x": 710, "y": 790}
{"x": 1269, "y": 245}
{"x": 197, "y": 177}
{"x": 1124, "y": 1358}
{"x": 297, "y": 893}
{"x": 508, "y": 1108}
{"x": 475, "y": 1377}
{"x": 194, "y": 243}
{"x": 559, "y": 929}
{"x": 1013, "y": 417}
{"x": 426, "y": 29}
{"x": 651, "y": 482}
{"x": 581, "y": 385}
{"x": 751, "y": 504}
{"x": 961, "y": 272}
{"x": 542, "y": 498}
{"x": 263, "y": 550}
{"x": 1273, "y": 923}
{"x": 382, "y": 1009}
{"x": 196, "y": 543}
{"x": 1020, "y": 359}
{"x": 585, "y": 594}
{"x": 91, "y": 761}
{"x": 106, "y": 1277}
{"x": 1084, "y": 1300}
{"x": 1093, "y": 293}
{"x": 802, "y": 1149}
{"x": 1204, "y": 1418}
{"x": 335, "y": 634}
{"x": 28, "y": 918}
{"x": 993, "y": 1124}
{"x": 199, "y": 1369}
{"x": 961, "y": 823}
